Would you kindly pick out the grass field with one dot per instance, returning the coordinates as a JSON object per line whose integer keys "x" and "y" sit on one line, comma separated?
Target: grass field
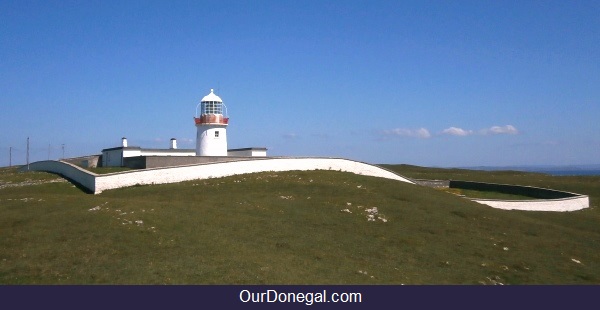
{"x": 320, "y": 227}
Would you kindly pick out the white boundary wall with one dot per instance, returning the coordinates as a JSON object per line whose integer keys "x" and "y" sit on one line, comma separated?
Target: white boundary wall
{"x": 217, "y": 170}
{"x": 96, "y": 183}
{"x": 81, "y": 176}
{"x": 556, "y": 205}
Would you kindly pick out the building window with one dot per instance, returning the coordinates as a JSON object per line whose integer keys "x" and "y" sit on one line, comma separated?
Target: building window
{"x": 212, "y": 107}
{"x": 216, "y": 134}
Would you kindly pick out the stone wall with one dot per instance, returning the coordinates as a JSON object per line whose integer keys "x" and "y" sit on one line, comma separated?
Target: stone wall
{"x": 529, "y": 191}
{"x": 94, "y": 183}
{"x": 74, "y": 173}
{"x": 548, "y": 199}
{"x": 222, "y": 169}
{"x": 555, "y": 205}
{"x": 98, "y": 183}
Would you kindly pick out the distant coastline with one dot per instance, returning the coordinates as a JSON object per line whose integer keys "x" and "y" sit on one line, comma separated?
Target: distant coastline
{"x": 570, "y": 172}
{"x": 576, "y": 170}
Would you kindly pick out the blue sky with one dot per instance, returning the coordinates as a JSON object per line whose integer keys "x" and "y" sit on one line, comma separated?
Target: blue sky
{"x": 432, "y": 83}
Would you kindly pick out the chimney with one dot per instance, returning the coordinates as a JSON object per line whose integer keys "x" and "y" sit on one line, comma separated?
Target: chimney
{"x": 124, "y": 142}
{"x": 173, "y": 143}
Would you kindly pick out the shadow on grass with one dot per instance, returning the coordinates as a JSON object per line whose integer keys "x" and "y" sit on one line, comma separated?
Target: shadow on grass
{"x": 75, "y": 183}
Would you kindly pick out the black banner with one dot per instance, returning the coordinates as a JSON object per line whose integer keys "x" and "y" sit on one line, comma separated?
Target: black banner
{"x": 300, "y": 297}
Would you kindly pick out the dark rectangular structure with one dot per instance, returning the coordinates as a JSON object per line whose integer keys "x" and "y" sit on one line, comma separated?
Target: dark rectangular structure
{"x": 145, "y": 162}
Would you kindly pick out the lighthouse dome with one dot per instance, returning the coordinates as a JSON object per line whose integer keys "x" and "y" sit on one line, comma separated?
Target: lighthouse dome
{"x": 211, "y": 97}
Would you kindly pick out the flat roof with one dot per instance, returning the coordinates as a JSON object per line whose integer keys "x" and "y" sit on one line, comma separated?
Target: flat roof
{"x": 248, "y": 149}
{"x": 169, "y": 150}
{"x": 178, "y": 150}
{"x": 123, "y": 148}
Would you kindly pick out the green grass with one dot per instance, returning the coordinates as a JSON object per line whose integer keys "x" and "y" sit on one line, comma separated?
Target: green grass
{"x": 290, "y": 228}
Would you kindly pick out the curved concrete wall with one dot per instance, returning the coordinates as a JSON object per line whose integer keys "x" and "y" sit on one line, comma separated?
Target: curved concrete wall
{"x": 217, "y": 170}
{"x": 549, "y": 199}
{"x": 555, "y": 205}
{"x": 529, "y": 191}
{"x": 78, "y": 175}
{"x": 98, "y": 183}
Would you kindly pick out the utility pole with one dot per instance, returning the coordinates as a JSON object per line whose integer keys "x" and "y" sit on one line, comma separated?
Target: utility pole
{"x": 10, "y": 157}
{"x": 63, "y": 149}
{"x": 27, "y": 153}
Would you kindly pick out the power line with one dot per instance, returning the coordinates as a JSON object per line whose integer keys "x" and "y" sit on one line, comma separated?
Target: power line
{"x": 27, "y": 153}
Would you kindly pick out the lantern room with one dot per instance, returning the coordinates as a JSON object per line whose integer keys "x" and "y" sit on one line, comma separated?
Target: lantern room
{"x": 211, "y": 109}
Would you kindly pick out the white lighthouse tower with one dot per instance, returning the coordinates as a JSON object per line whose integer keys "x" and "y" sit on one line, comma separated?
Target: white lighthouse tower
{"x": 211, "y": 124}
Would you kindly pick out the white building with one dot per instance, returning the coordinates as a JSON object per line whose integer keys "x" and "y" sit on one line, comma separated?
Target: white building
{"x": 248, "y": 152}
{"x": 211, "y": 138}
{"x": 114, "y": 157}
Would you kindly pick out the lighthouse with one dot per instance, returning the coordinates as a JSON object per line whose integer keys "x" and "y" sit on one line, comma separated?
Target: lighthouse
{"x": 211, "y": 125}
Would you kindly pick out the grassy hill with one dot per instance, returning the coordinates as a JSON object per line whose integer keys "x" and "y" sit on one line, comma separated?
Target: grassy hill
{"x": 320, "y": 227}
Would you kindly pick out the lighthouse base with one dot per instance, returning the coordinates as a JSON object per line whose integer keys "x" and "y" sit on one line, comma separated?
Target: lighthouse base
{"x": 211, "y": 140}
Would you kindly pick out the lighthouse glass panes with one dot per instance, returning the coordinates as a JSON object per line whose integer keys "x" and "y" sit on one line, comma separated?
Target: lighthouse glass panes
{"x": 211, "y": 107}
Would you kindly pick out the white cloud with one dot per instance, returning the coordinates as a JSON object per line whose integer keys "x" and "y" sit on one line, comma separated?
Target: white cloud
{"x": 403, "y": 132}
{"x": 494, "y": 130}
{"x": 454, "y": 131}
{"x": 186, "y": 141}
{"x": 423, "y": 133}
{"x": 291, "y": 136}
{"x": 500, "y": 130}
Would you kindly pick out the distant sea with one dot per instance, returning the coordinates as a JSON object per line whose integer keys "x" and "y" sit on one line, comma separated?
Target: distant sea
{"x": 569, "y": 172}
{"x": 589, "y": 170}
